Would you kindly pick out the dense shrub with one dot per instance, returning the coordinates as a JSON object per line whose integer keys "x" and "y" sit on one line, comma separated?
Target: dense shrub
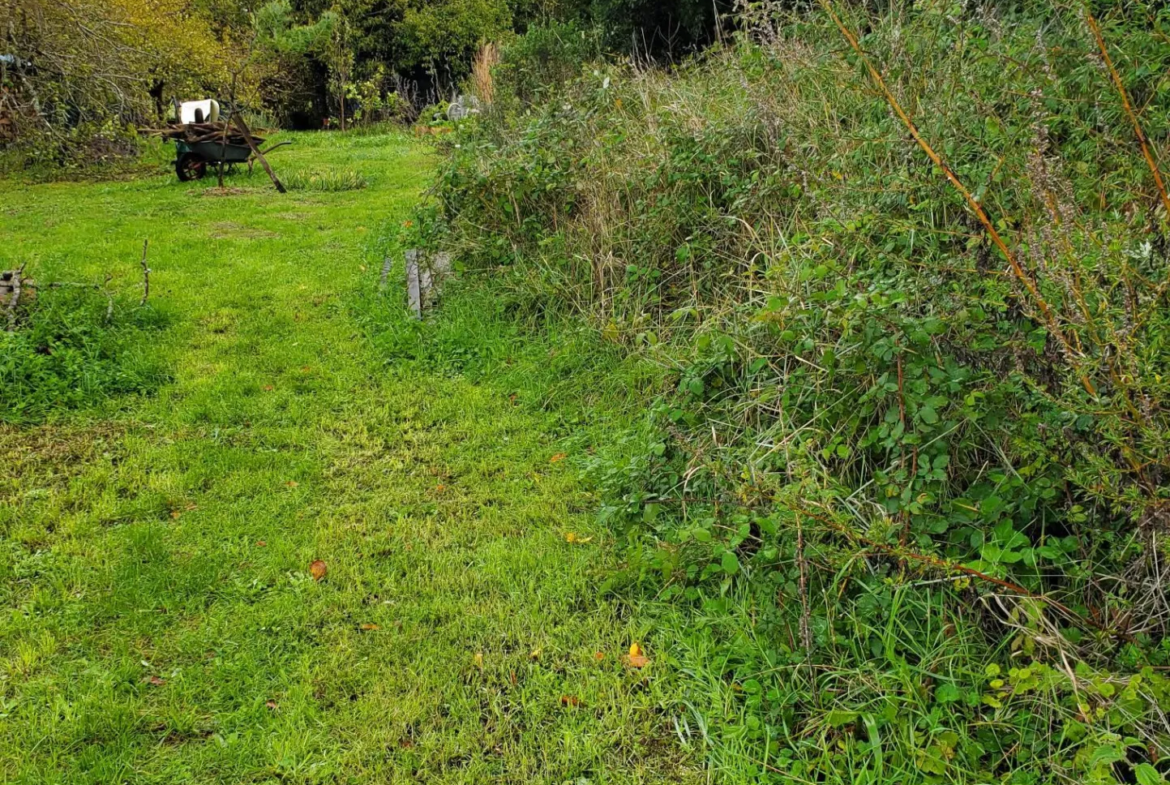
{"x": 74, "y": 348}
{"x": 891, "y": 454}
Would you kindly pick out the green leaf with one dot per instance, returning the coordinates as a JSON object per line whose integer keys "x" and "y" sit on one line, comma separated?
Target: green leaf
{"x": 947, "y": 693}
{"x": 1105, "y": 755}
{"x": 730, "y": 563}
{"x": 928, "y": 415}
{"x": 839, "y": 717}
{"x": 1148, "y": 775}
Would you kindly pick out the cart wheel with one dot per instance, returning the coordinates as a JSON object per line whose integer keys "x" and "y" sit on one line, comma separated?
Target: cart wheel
{"x": 190, "y": 166}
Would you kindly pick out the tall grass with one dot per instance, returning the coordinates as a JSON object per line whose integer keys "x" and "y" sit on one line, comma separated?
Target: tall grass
{"x": 911, "y": 477}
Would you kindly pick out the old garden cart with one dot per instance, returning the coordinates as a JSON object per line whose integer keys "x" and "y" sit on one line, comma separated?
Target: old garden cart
{"x": 201, "y": 142}
{"x": 192, "y": 158}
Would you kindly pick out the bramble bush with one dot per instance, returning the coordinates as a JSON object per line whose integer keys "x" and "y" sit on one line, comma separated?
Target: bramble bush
{"x": 912, "y": 483}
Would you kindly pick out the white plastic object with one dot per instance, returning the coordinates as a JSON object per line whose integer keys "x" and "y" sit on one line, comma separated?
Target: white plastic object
{"x": 209, "y": 107}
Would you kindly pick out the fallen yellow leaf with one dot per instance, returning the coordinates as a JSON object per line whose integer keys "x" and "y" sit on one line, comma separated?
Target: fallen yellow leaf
{"x": 478, "y": 660}
{"x": 570, "y": 700}
{"x": 576, "y": 538}
{"x": 636, "y": 658}
{"x": 560, "y": 456}
{"x": 369, "y": 627}
{"x": 318, "y": 569}
{"x": 535, "y": 654}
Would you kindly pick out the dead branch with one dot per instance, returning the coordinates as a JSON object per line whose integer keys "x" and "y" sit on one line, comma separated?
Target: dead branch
{"x": 243, "y": 126}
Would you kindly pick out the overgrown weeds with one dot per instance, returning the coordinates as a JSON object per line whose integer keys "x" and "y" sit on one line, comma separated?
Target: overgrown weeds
{"x": 912, "y": 475}
{"x": 76, "y": 346}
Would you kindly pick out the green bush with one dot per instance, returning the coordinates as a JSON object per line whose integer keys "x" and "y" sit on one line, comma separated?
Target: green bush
{"x": 888, "y": 457}
{"x": 534, "y": 65}
{"x": 74, "y": 348}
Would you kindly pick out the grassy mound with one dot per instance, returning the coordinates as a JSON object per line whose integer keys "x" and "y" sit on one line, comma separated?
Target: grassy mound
{"x": 909, "y": 474}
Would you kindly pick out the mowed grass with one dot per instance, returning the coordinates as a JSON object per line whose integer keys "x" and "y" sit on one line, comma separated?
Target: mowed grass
{"x": 160, "y": 623}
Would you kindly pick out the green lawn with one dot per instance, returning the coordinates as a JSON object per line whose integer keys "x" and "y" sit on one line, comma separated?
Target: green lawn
{"x": 160, "y": 622}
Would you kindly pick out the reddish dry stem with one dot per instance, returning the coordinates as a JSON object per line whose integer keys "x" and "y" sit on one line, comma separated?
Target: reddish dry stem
{"x": 1133, "y": 118}
{"x": 972, "y": 202}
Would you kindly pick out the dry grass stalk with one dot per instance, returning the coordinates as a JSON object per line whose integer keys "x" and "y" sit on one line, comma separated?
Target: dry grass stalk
{"x": 482, "y": 83}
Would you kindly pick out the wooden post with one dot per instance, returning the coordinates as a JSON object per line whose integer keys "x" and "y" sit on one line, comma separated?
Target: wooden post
{"x": 17, "y": 280}
{"x": 238, "y": 119}
{"x": 386, "y": 265}
{"x": 413, "y": 284}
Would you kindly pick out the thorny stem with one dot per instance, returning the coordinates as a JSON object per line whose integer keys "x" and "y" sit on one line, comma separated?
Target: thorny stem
{"x": 942, "y": 564}
{"x": 1133, "y": 118}
{"x": 972, "y": 202}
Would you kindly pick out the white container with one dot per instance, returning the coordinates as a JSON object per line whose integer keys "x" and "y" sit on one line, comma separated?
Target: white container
{"x": 209, "y": 108}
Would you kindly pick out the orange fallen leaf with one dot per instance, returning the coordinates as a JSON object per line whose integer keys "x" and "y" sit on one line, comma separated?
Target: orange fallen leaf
{"x": 292, "y": 483}
{"x": 270, "y": 704}
{"x": 155, "y": 680}
{"x": 576, "y": 538}
{"x": 512, "y": 676}
{"x": 175, "y": 514}
{"x": 318, "y": 569}
{"x": 440, "y": 488}
{"x": 369, "y": 627}
{"x": 636, "y": 658}
{"x": 306, "y": 369}
{"x": 560, "y": 456}
{"x": 570, "y": 700}
{"x": 268, "y": 388}
{"x": 261, "y": 543}
{"x": 599, "y": 656}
